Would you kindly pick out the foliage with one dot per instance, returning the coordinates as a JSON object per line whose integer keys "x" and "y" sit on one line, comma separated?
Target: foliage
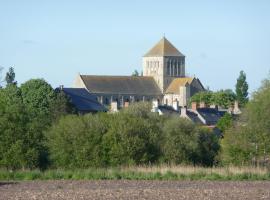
{"x": 249, "y": 141}
{"x": 225, "y": 122}
{"x": 10, "y": 76}
{"x": 12, "y": 127}
{"x": 180, "y": 141}
{"x": 208, "y": 148}
{"x": 61, "y": 105}
{"x": 223, "y": 98}
{"x": 37, "y": 96}
{"x": 205, "y": 96}
{"x": 241, "y": 89}
{"x": 25, "y": 113}
{"x": 75, "y": 141}
{"x": 1, "y": 81}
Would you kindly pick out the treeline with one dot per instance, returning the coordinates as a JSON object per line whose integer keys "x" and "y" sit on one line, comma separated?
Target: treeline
{"x": 134, "y": 136}
{"x": 39, "y": 131}
{"x": 225, "y": 98}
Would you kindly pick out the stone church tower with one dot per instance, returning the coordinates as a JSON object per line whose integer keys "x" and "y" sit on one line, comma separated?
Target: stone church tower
{"x": 165, "y": 63}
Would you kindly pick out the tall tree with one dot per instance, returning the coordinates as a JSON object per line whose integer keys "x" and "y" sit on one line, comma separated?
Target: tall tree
{"x": 1, "y": 68}
{"x": 241, "y": 89}
{"x": 10, "y": 76}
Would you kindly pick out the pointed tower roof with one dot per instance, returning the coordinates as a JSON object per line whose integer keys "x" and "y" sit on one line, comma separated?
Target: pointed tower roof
{"x": 163, "y": 48}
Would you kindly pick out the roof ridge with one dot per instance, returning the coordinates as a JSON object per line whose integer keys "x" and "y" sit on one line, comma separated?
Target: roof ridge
{"x": 118, "y": 76}
{"x": 163, "y": 48}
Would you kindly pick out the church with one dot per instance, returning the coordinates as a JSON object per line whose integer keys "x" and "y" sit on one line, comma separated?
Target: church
{"x": 164, "y": 79}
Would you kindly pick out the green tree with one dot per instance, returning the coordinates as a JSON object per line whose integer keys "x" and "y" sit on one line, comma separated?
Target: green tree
{"x": 1, "y": 69}
{"x": 241, "y": 89}
{"x": 224, "y": 98}
{"x": 12, "y": 127}
{"x": 61, "y": 105}
{"x": 180, "y": 141}
{"x": 208, "y": 148}
{"x": 75, "y": 141}
{"x": 249, "y": 140}
{"x": 225, "y": 122}
{"x": 10, "y": 76}
{"x": 205, "y": 96}
{"x": 38, "y": 96}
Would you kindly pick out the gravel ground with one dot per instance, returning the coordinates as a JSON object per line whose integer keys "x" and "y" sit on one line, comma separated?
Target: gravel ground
{"x": 123, "y": 189}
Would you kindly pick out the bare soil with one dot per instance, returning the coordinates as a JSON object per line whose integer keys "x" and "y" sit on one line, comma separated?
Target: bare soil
{"x": 123, "y": 189}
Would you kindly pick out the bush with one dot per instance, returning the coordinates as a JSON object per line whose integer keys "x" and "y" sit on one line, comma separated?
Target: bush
{"x": 180, "y": 141}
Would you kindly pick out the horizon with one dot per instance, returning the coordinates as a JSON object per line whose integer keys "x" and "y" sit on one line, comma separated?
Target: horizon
{"x": 58, "y": 40}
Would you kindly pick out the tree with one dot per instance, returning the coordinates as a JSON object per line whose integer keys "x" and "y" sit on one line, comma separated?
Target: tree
{"x": 10, "y": 76}
{"x": 241, "y": 89}
{"x": 225, "y": 122}
{"x": 180, "y": 141}
{"x": 248, "y": 141}
{"x": 75, "y": 141}
{"x": 205, "y": 96}
{"x": 135, "y": 73}
{"x": 12, "y": 128}
{"x": 223, "y": 98}
{"x": 207, "y": 148}
{"x": 38, "y": 97}
{"x": 1, "y": 69}
{"x": 61, "y": 105}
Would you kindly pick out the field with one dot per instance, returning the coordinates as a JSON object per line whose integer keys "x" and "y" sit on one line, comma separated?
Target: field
{"x": 132, "y": 189}
{"x": 143, "y": 182}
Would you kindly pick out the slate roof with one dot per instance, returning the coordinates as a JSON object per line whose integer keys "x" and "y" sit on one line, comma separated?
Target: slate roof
{"x": 210, "y": 115}
{"x": 163, "y": 48}
{"x": 83, "y": 100}
{"x": 169, "y": 110}
{"x": 137, "y": 85}
{"x": 194, "y": 117}
{"x": 176, "y": 83}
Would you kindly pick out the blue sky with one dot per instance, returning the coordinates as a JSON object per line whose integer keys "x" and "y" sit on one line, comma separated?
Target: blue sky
{"x": 56, "y": 40}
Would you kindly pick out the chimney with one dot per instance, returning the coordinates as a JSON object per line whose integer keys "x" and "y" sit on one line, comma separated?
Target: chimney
{"x": 126, "y": 104}
{"x": 61, "y": 87}
{"x": 194, "y": 106}
{"x": 114, "y": 106}
{"x": 202, "y": 104}
{"x": 236, "y": 109}
{"x": 155, "y": 105}
{"x": 183, "y": 112}
{"x": 175, "y": 105}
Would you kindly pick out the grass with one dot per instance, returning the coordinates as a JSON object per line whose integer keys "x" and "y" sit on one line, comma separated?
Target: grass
{"x": 142, "y": 173}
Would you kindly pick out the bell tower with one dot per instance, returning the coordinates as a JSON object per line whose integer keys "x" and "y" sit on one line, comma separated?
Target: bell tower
{"x": 165, "y": 63}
